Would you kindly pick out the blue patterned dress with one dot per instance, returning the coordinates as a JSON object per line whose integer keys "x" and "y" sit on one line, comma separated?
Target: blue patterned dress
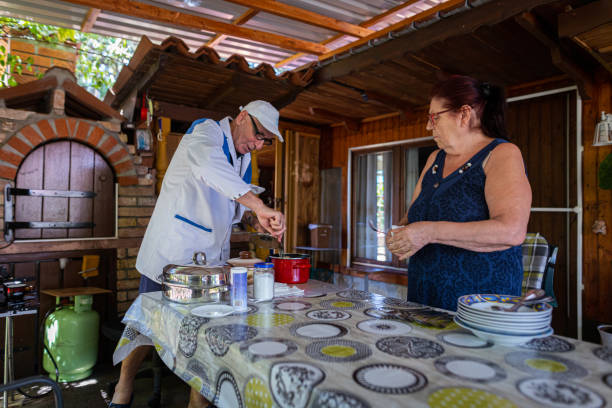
{"x": 439, "y": 274}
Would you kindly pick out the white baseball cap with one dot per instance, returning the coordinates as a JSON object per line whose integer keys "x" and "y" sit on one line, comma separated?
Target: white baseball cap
{"x": 266, "y": 114}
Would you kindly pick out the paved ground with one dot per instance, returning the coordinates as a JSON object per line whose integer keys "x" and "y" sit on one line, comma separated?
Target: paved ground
{"x": 92, "y": 392}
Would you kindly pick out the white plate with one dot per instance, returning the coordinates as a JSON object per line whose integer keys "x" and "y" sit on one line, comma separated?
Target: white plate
{"x": 504, "y": 325}
{"x": 212, "y": 310}
{"x": 504, "y": 340}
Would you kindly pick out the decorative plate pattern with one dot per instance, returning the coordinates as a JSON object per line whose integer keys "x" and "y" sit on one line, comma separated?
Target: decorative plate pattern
{"x": 385, "y": 312}
{"x": 409, "y": 347}
{"x": 198, "y": 369}
{"x": 188, "y": 334}
{"x": 269, "y": 319}
{"x": 328, "y": 314}
{"x": 267, "y": 347}
{"x": 333, "y": 398}
{"x": 607, "y": 379}
{"x": 402, "y": 303}
{"x": 470, "y": 369}
{"x": 463, "y": 338}
{"x": 390, "y": 378}
{"x": 318, "y": 330}
{"x": 552, "y": 366}
{"x": 342, "y": 304}
{"x": 550, "y": 344}
{"x": 220, "y": 338}
{"x": 355, "y": 294}
{"x": 292, "y": 305}
{"x": 555, "y": 393}
{"x": 465, "y": 397}
{"x": 227, "y": 393}
{"x": 338, "y": 350}
{"x": 256, "y": 394}
{"x": 604, "y": 353}
{"x": 384, "y": 327}
{"x": 292, "y": 383}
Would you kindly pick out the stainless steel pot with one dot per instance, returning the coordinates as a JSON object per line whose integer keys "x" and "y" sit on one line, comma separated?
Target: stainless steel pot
{"x": 185, "y": 294}
{"x": 194, "y": 276}
{"x": 196, "y": 283}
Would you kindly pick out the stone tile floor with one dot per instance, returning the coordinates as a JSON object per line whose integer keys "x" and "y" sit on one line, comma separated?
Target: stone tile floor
{"x": 93, "y": 392}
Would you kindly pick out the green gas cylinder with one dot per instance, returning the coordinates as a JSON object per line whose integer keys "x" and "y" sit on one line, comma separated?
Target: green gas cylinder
{"x": 71, "y": 335}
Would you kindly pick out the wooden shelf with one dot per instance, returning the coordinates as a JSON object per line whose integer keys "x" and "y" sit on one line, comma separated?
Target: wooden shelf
{"x": 81, "y": 291}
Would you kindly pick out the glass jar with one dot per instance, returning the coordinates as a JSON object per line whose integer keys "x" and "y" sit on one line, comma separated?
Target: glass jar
{"x": 263, "y": 281}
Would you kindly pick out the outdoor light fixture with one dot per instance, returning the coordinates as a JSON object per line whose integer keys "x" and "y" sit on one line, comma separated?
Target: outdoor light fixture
{"x": 603, "y": 130}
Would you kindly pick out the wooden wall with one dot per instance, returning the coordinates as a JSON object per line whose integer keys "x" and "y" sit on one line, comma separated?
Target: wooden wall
{"x": 597, "y": 204}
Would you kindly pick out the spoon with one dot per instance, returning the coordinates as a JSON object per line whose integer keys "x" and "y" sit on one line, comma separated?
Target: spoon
{"x": 531, "y": 295}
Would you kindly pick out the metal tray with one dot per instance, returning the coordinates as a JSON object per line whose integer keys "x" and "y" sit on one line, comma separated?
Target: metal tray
{"x": 183, "y": 294}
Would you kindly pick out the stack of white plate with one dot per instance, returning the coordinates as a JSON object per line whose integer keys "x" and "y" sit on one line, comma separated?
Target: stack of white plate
{"x": 475, "y": 313}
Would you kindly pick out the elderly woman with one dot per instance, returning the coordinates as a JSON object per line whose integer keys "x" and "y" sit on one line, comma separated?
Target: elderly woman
{"x": 470, "y": 208}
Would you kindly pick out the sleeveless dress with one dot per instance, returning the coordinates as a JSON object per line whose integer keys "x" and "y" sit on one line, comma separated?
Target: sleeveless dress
{"x": 439, "y": 274}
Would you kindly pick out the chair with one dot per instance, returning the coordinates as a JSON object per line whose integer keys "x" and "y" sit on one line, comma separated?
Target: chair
{"x": 539, "y": 259}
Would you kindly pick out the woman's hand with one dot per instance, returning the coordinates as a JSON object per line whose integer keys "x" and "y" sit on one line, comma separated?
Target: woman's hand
{"x": 407, "y": 241}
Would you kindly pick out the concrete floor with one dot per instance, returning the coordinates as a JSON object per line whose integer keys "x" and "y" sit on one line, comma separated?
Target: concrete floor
{"x": 93, "y": 392}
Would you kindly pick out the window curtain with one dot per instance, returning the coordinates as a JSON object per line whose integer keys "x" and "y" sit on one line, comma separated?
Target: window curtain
{"x": 373, "y": 201}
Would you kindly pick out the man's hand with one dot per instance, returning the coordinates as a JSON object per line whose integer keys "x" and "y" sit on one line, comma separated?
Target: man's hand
{"x": 250, "y": 219}
{"x": 271, "y": 220}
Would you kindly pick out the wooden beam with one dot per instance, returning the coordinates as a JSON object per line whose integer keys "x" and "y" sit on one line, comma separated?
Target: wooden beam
{"x": 351, "y": 124}
{"x": 584, "y": 18}
{"x": 456, "y": 25}
{"x": 90, "y": 19}
{"x": 595, "y": 54}
{"x": 149, "y": 12}
{"x": 450, "y": 4}
{"x": 286, "y": 99}
{"x": 185, "y": 113}
{"x": 531, "y": 24}
{"x": 368, "y": 23}
{"x": 240, "y": 20}
{"x": 305, "y": 16}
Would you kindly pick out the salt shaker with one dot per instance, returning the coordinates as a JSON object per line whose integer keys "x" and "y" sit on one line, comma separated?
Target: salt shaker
{"x": 263, "y": 281}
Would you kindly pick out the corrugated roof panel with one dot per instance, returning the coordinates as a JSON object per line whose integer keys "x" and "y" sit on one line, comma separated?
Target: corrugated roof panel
{"x": 289, "y": 28}
{"x": 216, "y": 9}
{"x": 31, "y": 11}
{"x": 141, "y": 24}
{"x": 254, "y": 46}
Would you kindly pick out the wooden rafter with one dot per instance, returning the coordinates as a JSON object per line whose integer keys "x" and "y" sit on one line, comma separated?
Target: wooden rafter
{"x": 305, "y": 16}
{"x": 489, "y": 13}
{"x": 141, "y": 10}
{"x": 531, "y": 24}
{"x": 90, "y": 19}
{"x": 450, "y": 4}
{"x": 368, "y": 23}
{"x": 584, "y": 18}
{"x": 240, "y": 20}
{"x": 351, "y": 123}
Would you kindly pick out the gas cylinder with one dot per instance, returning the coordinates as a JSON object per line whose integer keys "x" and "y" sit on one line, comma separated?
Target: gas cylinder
{"x": 71, "y": 335}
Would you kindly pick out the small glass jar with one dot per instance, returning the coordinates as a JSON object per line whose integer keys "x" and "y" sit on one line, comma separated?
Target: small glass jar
{"x": 263, "y": 281}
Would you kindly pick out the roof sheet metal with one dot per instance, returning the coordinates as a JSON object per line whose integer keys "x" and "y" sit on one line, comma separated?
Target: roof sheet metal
{"x": 59, "y": 13}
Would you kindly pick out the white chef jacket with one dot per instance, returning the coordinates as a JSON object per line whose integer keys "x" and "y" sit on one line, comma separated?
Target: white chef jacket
{"x": 196, "y": 207}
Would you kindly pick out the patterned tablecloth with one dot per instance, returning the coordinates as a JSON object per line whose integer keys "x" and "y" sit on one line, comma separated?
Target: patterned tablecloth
{"x": 348, "y": 348}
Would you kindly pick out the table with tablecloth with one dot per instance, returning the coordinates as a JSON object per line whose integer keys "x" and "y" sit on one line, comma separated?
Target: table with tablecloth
{"x": 338, "y": 347}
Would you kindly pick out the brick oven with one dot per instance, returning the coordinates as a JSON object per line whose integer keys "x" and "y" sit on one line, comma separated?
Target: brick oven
{"x": 55, "y": 136}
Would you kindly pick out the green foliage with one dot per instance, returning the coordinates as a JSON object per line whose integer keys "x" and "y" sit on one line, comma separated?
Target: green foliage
{"x": 605, "y": 173}
{"x": 100, "y": 58}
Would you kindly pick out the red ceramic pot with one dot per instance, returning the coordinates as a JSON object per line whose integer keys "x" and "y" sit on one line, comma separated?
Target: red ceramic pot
{"x": 291, "y": 268}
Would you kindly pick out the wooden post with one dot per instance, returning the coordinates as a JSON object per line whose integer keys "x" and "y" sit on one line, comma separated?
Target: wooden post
{"x": 161, "y": 154}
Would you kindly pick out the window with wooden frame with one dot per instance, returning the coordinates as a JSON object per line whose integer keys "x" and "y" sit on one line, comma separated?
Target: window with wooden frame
{"x": 382, "y": 182}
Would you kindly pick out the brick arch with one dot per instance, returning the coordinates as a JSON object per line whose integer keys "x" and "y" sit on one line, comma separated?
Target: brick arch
{"x": 29, "y": 137}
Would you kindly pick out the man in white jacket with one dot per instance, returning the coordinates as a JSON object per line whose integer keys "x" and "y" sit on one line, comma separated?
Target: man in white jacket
{"x": 205, "y": 190}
